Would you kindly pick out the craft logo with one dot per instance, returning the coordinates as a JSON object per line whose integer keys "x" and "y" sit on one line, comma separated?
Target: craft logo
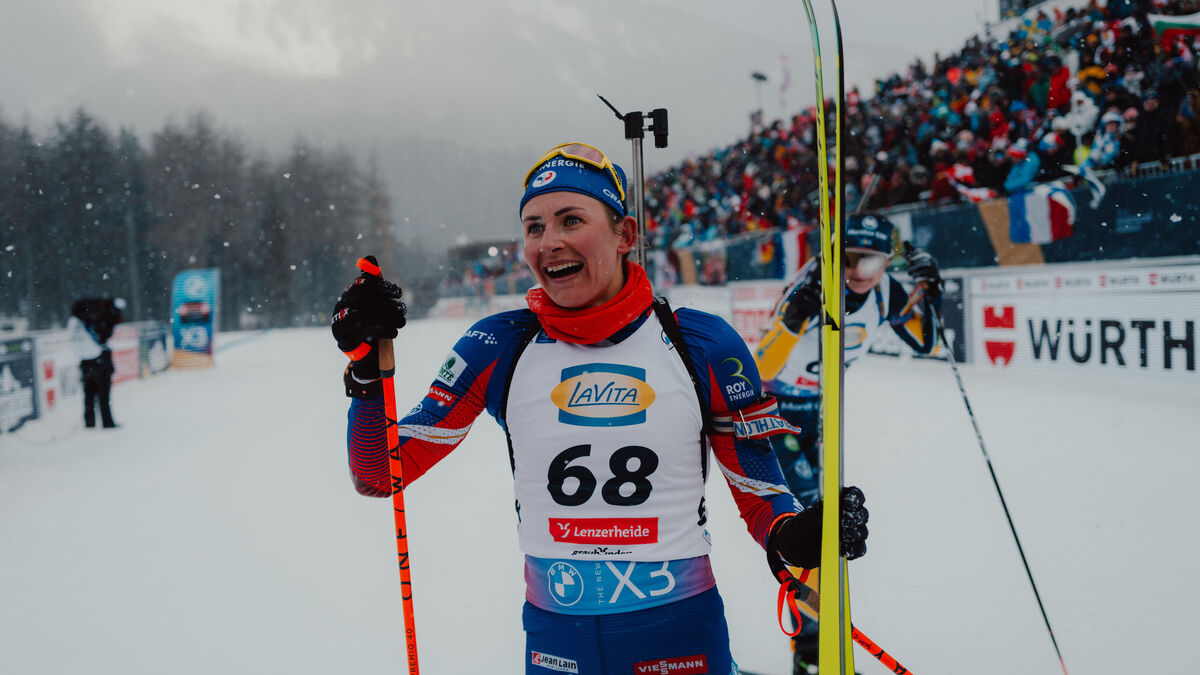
{"x": 1000, "y": 352}
{"x": 543, "y": 178}
{"x": 483, "y": 336}
{"x": 566, "y": 583}
{"x": 451, "y": 368}
{"x": 602, "y": 395}
{"x": 604, "y": 531}
{"x": 553, "y": 662}
{"x": 683, "y": 665}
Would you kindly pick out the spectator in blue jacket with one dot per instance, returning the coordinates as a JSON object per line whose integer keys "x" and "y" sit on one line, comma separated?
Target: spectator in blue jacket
{"x": 1024, "y": 169}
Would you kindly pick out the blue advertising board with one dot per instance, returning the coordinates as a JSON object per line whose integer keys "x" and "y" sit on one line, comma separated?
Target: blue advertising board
{"x": 194, "y": 296}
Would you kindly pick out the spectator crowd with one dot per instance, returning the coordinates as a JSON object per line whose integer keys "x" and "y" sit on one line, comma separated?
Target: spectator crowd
{"x": 1089, "y": 88}
{"x": 1073, "y": 91}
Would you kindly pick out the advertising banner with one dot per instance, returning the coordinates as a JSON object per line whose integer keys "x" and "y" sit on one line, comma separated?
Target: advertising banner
{"x": 18, "y": 384}
{"x": 152, "y": 349}
{"x": 124, "y": 346}
{"x": 57, "y": 368}
{"x": 1140, "y": 320}
{"x": 752, "y": 305}
{"x": 194, "y": 296}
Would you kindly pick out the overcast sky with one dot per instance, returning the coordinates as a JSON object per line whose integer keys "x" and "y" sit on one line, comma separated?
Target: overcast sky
{"x": 454, "y": 97}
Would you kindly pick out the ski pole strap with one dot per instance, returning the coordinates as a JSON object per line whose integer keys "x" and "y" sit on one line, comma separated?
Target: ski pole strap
{"x": 793, "y": 591}
{"x": 787, "y": 595}
{"x": 757, "y": 421}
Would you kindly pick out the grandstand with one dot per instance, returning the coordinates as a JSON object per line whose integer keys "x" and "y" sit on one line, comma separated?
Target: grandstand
{"x": 1058, "y": 90}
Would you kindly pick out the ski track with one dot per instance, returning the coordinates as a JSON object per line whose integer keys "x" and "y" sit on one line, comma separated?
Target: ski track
{"x": 217, "y": 530}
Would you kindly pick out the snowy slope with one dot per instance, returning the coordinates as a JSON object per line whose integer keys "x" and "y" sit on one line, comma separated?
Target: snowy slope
{"x": 217, "y": 531}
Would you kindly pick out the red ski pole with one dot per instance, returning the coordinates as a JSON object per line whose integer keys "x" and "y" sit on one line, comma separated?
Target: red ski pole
{"x": 387, "y": 370}
{"x": 805, "y": 604}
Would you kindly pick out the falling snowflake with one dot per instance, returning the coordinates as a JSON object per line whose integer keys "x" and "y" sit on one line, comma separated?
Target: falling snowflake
{"x": 1175, "y": 217}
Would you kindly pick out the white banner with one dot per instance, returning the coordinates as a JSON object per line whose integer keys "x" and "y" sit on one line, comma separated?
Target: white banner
{"x": 1125, "y": 320}
{"x": 751, "y": 305}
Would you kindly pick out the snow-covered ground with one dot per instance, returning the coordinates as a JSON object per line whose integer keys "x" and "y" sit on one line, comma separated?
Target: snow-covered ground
{"x": 217, "y": 531}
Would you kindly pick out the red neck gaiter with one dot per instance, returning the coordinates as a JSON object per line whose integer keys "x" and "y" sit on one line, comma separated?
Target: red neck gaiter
{"x": 590, "y": 325}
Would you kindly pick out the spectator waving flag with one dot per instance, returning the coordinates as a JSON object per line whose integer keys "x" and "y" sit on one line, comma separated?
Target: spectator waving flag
{"x": 1041, "y": 215}
{"x": 1171, "y": 29}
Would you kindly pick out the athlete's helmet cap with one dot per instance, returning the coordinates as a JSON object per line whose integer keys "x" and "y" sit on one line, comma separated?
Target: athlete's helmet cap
{"x": 871, "y": 233}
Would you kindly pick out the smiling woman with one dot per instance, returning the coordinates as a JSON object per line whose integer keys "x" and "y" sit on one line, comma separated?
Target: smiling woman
{"x": 610, "y": 402}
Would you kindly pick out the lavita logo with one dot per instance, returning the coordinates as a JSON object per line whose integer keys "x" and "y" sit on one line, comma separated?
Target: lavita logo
{"x": 602, "y": 395}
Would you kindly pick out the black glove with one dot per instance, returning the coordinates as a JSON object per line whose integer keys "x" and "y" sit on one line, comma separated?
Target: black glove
{"x": 796, "y": 540}
{"x": 923, "y": 269}
{"x": 369, "y": 310}
{"x": 804, "y": 302}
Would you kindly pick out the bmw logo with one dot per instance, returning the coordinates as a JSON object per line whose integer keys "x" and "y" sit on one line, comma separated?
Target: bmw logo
{"x": 566, "y": 584}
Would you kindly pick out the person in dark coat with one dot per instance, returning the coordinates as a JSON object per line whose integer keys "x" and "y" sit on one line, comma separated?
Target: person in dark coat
{"x": 1155, "y": 131}
{"x": 90, "y": 326}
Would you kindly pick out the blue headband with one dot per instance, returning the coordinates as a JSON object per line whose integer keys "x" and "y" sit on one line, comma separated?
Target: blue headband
{"x": 560, "y": 174}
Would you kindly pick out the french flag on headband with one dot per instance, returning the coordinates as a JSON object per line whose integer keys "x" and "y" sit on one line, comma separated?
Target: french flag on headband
{"x": 1041, "y": 215}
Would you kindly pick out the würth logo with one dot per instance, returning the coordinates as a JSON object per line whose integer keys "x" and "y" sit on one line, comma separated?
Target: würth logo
{"x": 684, "y": 665}
{"x": 1000, "y": 351}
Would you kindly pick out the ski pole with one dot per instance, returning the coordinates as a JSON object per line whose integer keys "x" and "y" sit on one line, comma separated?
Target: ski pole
{"x": 387, "y": 370}
{"x": 875, "y": 650}
{"x": 792, "y": 589}
{"x": 941, "y": 330}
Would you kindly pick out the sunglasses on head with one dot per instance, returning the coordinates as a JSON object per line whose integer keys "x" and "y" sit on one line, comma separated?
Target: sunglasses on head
{"x": 580, "y": 152}
{"x": 866, "y": 262}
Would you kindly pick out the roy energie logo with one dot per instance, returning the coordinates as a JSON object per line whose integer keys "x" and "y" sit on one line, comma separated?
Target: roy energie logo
{"x": 602, "y": 395}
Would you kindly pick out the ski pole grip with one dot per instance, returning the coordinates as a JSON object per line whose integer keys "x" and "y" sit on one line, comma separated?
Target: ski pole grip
{"x": 387, "y": 357}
